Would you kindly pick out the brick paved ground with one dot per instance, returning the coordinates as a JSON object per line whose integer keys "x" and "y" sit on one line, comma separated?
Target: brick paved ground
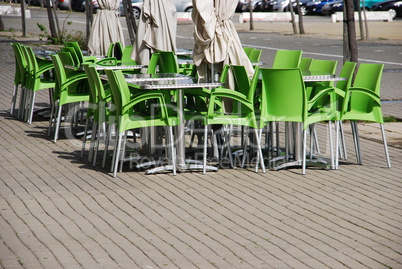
{"x": 56, "y": 211}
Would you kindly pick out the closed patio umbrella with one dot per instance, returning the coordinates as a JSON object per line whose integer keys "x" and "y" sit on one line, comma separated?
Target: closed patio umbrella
{"x": 106, "y": 28}
{"x": 156, "y": 30}
{"x": 216, "y": 40}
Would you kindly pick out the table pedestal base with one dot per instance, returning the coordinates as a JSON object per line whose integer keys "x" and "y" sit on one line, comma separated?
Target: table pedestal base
{"x": 189, "y": 165}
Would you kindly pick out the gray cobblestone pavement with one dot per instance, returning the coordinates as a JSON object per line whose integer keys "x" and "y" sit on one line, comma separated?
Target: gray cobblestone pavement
{"x": 57, "y": 211}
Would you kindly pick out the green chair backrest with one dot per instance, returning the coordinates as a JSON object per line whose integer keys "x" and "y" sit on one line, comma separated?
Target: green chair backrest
{"x": 110, "y": 50}
{"x": 93, "y": 92}
{"x": 73, "y": 53}
{"x": 369, "y": 76}
{"x": 305, "y": 63}
{"x": 66, "y": 58}
{"x": 153, "y": 63}
{"x": 78, "y": 51}
{"x": 283, "y": 95}
{"x": 118, "y": 50}
{"x": 168, "y": 62}
{"x": 20, "y": 64}
{"x": 347, "y": 71}
{"x": 61, "y": 76}
{"x": 242, "y": 81}
{"x": 324, "y": 65}
{"x": 255, "y": 55}
{"x": 248, "y": 50}
{"x": 287, "y": 59}
{"x": 126, "y": 56}
{"x": 364, "y": 101}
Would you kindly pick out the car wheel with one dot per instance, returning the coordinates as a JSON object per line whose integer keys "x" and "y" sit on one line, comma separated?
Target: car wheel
{"x": 136, "y": 13}
{"x": 392, "y": 12}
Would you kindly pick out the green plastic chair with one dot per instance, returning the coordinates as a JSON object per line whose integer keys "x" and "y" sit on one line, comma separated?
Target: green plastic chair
{"x": 91, "y": 115}
{"x": 284, "y": 99}
{"x": 255, "y": 55}
{"x": 127, "y": 116}
{"x": 324, "y": 66}
{"x": 362, "y": 102}
{"x": 118, "y": 50}
{"x": 65, "y": 92}
{"x": 243, "y": 115}
{"x": 153, "y": 63}
{"x": 335, "y": 103}
{"x": 167, "y": 62}
{"x": 248, "y": 50}
{"x": 287, "y": 59}
{"x": 80, "y": 59}
{"x": 38, "y": 79}
{"x": 73, "y": 55}
{"x": 305, "y": 63}
{"x": 126, "y": 56}
{"x": 78, "y": 51}
{"x": 110, "y": 50}
{"x": 20, "y": 76}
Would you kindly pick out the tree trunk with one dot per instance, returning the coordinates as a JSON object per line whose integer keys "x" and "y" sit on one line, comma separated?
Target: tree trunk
{"x": 52, "y": 27}
{"x": 292, "y": 14}
{"x": 365, "y": 19}
{"x": 251, "y": 15}
{"x": 351, "y": 31}
{"x": 59, "y": 33}
{"x": 130, "y": 20}
{"x": 89, "y": 17}
{"x": 2, "y": 28}
{"x": 23, "y": 17}
{"x": 359, "y": 12}
{"x": 301, "y": 25}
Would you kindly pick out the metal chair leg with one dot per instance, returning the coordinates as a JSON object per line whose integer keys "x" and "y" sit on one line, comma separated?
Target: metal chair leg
{"x": 384, "y": 139}
{"x": 355, "y": 132}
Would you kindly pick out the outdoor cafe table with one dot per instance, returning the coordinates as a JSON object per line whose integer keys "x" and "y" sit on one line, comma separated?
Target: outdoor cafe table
{"x": 174, "y": 82}
{"x": 108, "y": 67}
{"x": 308, "y": 76}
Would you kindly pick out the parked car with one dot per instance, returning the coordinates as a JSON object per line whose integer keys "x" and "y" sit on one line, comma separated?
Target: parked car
{"x": 79, "y": 5}
{"x": 393, "y": 6}
{"x": 283, "y": 6}
{"x": 264, "y": 6}
{"x": 137, "y": 7}
{"x": 183, "y": 5}
{"x": 315, "y": 7}
{"x": 332, "y": 7}
{"x": 242, "y": 6}
{"x": 38, "y": 2}
{"x": 302, "y": 5}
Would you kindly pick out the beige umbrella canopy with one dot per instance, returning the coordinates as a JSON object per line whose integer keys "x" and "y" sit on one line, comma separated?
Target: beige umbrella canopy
{"x": 216, "y": 38}
{"x": 156, "y": 29}
{"x": 106, "y": 28}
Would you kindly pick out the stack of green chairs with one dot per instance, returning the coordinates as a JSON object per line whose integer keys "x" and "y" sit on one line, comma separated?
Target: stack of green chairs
{"x": 362, "y": 103}
{"x": 65, "y": 92}
{"x": 20, "y": 76}
{"x": 39, "y": 78}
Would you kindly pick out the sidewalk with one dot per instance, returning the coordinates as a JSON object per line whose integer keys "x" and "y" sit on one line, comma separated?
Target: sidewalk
{"x": 378, "y": 30}
{"x": 57, "y": 211}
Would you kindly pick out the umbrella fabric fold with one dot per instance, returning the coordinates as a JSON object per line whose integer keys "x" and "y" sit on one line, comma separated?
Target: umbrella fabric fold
{"x": 106, "y": 28}
{"x": 216, "y": 38}
{"x": 156, "y": 30}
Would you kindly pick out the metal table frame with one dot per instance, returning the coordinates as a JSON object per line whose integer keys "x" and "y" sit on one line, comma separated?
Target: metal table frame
{"x": 178, "y": 84}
